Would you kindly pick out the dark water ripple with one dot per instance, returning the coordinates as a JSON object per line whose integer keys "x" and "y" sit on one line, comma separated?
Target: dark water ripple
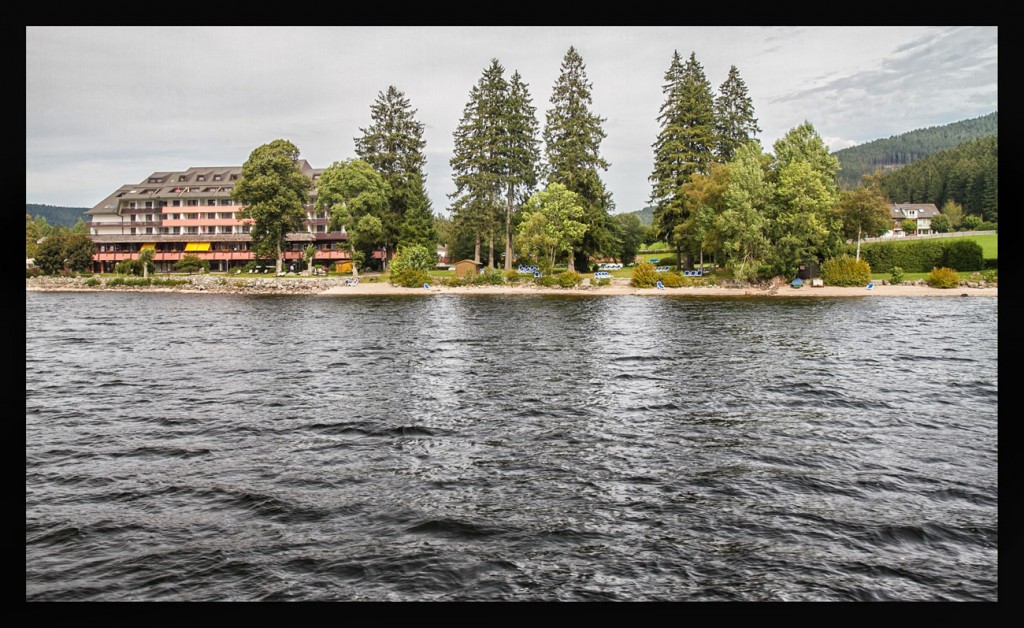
{"x": 527, "y": 448}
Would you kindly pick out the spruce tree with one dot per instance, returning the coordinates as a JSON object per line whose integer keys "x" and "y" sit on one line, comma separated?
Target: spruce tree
{"x": 734, "y": 116}
{"x": 572, "y": 141}
{"x": 393, "y": 144}
{"x": 478, "y": 158}
{"x": 494, "y": 164}
{"x": 684, "y": 146}
{"x": 522, "y": 152}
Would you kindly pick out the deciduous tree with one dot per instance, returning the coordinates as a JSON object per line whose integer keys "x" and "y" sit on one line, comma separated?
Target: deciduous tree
{"x": 273, "y": 193}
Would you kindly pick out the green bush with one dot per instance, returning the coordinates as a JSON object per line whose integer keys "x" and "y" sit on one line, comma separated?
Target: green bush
{"x": 845, "y": 271}
{"x": 416, "y": 257}
{"x": 897, "y": 275}
{"x": 32, "y": 271}
{"x": 940, "y": 224}
{"x": 644, "y": 275}
{"x": 991, "y": 276}
{"x": 409, "y": 277}
{"x": 569, "y": 279}
{"x": 964, "y": 255}
{"x": 548, "y": 281}
{"x": 673, "y": 280}
{"x": 92, "y": 282}
{"x": 128, "y": 267}
{"x": 489, "y": 277}
{"x": 943, "y": 278}
{"x": 168, "y": 282}
{"x": 970, "y": 223}
{"x": 604, "y": 281}
{"x": 987, "y": 226}
{"x": 512, "y": 276}
{"x": 192, "y": 263}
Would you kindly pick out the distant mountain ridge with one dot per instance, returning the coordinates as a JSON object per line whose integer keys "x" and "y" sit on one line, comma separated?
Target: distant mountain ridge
{"x": 899, "y": 150}
{"x": 56, "y": 215}
{"x": 646, "y": 215}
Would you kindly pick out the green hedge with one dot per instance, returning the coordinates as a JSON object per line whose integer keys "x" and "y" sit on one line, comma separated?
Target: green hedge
{"x": 923, "y": 255}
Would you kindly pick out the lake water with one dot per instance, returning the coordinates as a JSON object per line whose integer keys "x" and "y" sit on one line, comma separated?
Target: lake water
{"x": 218, "y": 447}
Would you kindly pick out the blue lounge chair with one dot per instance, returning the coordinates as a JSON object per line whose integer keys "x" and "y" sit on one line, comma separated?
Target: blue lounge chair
{"x": 871, "y": 286}
{"x": 660, "y": 285}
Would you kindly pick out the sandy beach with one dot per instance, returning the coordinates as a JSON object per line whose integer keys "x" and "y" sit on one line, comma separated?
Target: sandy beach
{"x": 707, "y": 291}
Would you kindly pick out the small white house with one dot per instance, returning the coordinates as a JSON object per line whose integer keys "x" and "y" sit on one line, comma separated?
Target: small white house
{"x": 920, "y": 213}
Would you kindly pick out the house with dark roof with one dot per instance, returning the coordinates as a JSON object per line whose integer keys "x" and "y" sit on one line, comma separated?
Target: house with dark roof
{"x": 192, "y": 212}
{"x": 920, "y": 213}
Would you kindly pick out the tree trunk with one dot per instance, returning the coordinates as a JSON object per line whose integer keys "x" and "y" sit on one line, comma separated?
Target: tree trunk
{"x": 679, "y": 256}
{"x": 858, "y": 243}
{"x": 476, "y": 249}
{"x": 490, "y": 250}
{"x": 702, "y": 259}
{"x": 352, "y": 257}
{"x": 572, "y": 261}
{"x": 280, "y": 258}
{"x": 508, "y": 231}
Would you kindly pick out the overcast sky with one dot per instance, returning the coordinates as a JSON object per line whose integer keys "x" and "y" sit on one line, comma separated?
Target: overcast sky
{"x": 106, "y": 106}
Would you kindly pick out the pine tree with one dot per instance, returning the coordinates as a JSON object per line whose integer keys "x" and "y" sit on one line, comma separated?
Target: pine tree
{"x": 572, "y": 141}
{"x": 478, "y": 159}
{"x": 734, "y": 116}
{"x": 522, "y": 152}
{"x": 494, "y": 164}
{"x": 393, "y": 144}
{"x": 684, "y": 145}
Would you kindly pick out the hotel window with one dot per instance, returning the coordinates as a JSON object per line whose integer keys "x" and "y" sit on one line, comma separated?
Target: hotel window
{"x": 149, "y": 230}
{"x": 182, "y": 178}
{"x": 149, "y": 204}
{"x": 149, "y": 217}
{"x": 191, "y": 216}
{"x": 233, "y": 177}
{"x": 226, "y": 215}
{"x": 245, "y": 228}
{"x": 155, "y": 180}
{"x": 226, "y": 230}
{"x": 175, "y": 216}
{"x": 211, "y": 230}
{"x": 211, "y": 201}
{"x": 133, "y": 231}
{"x": 176, "y": 230}
{"x": 165, "y": 230}
{"x": 217, "y": 177}
{"x": 193, "y": 202}
{"x": 175, "y": 203}
{"x": 320, "y": 229}
{"x": 201, "y": 177}
{"x": 131, "y": 205}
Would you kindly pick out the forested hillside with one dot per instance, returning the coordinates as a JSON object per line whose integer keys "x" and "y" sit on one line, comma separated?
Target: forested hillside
{"x": 900, "y": 150}
{"x": 646, "y": 215}
{"x": 967, "y": 174}
{"x": 54, "y": 215}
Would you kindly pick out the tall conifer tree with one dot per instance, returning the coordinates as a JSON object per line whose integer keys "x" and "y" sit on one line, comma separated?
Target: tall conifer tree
{"x": 684, "y": 145}
{"x": 734, "y": 116}
{"x": 393, "y": 144}
{"x": 572, "y": 142}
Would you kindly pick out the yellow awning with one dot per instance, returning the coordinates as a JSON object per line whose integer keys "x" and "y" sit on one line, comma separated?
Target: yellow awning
{"x": 149, "y": 246}
{"x": 197, "y": 246}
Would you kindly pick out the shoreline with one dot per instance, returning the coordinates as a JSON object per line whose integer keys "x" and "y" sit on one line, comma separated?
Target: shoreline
{"x": 211, "y": 284}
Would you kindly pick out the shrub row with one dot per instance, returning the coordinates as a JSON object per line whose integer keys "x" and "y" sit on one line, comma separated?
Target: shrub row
{"x": 923, "y": 255}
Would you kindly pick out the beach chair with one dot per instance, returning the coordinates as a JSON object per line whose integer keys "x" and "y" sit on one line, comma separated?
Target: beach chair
{"x": 426, "y": 286}
{"x": 660, "y": 285}
{"x": 871, "y": 286}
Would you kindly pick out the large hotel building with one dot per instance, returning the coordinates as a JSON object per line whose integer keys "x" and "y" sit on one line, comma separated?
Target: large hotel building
{"x": 192, "y": 213}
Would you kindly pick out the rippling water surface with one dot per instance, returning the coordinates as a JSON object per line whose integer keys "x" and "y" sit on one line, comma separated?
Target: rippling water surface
{"x": 206, "y": 447}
